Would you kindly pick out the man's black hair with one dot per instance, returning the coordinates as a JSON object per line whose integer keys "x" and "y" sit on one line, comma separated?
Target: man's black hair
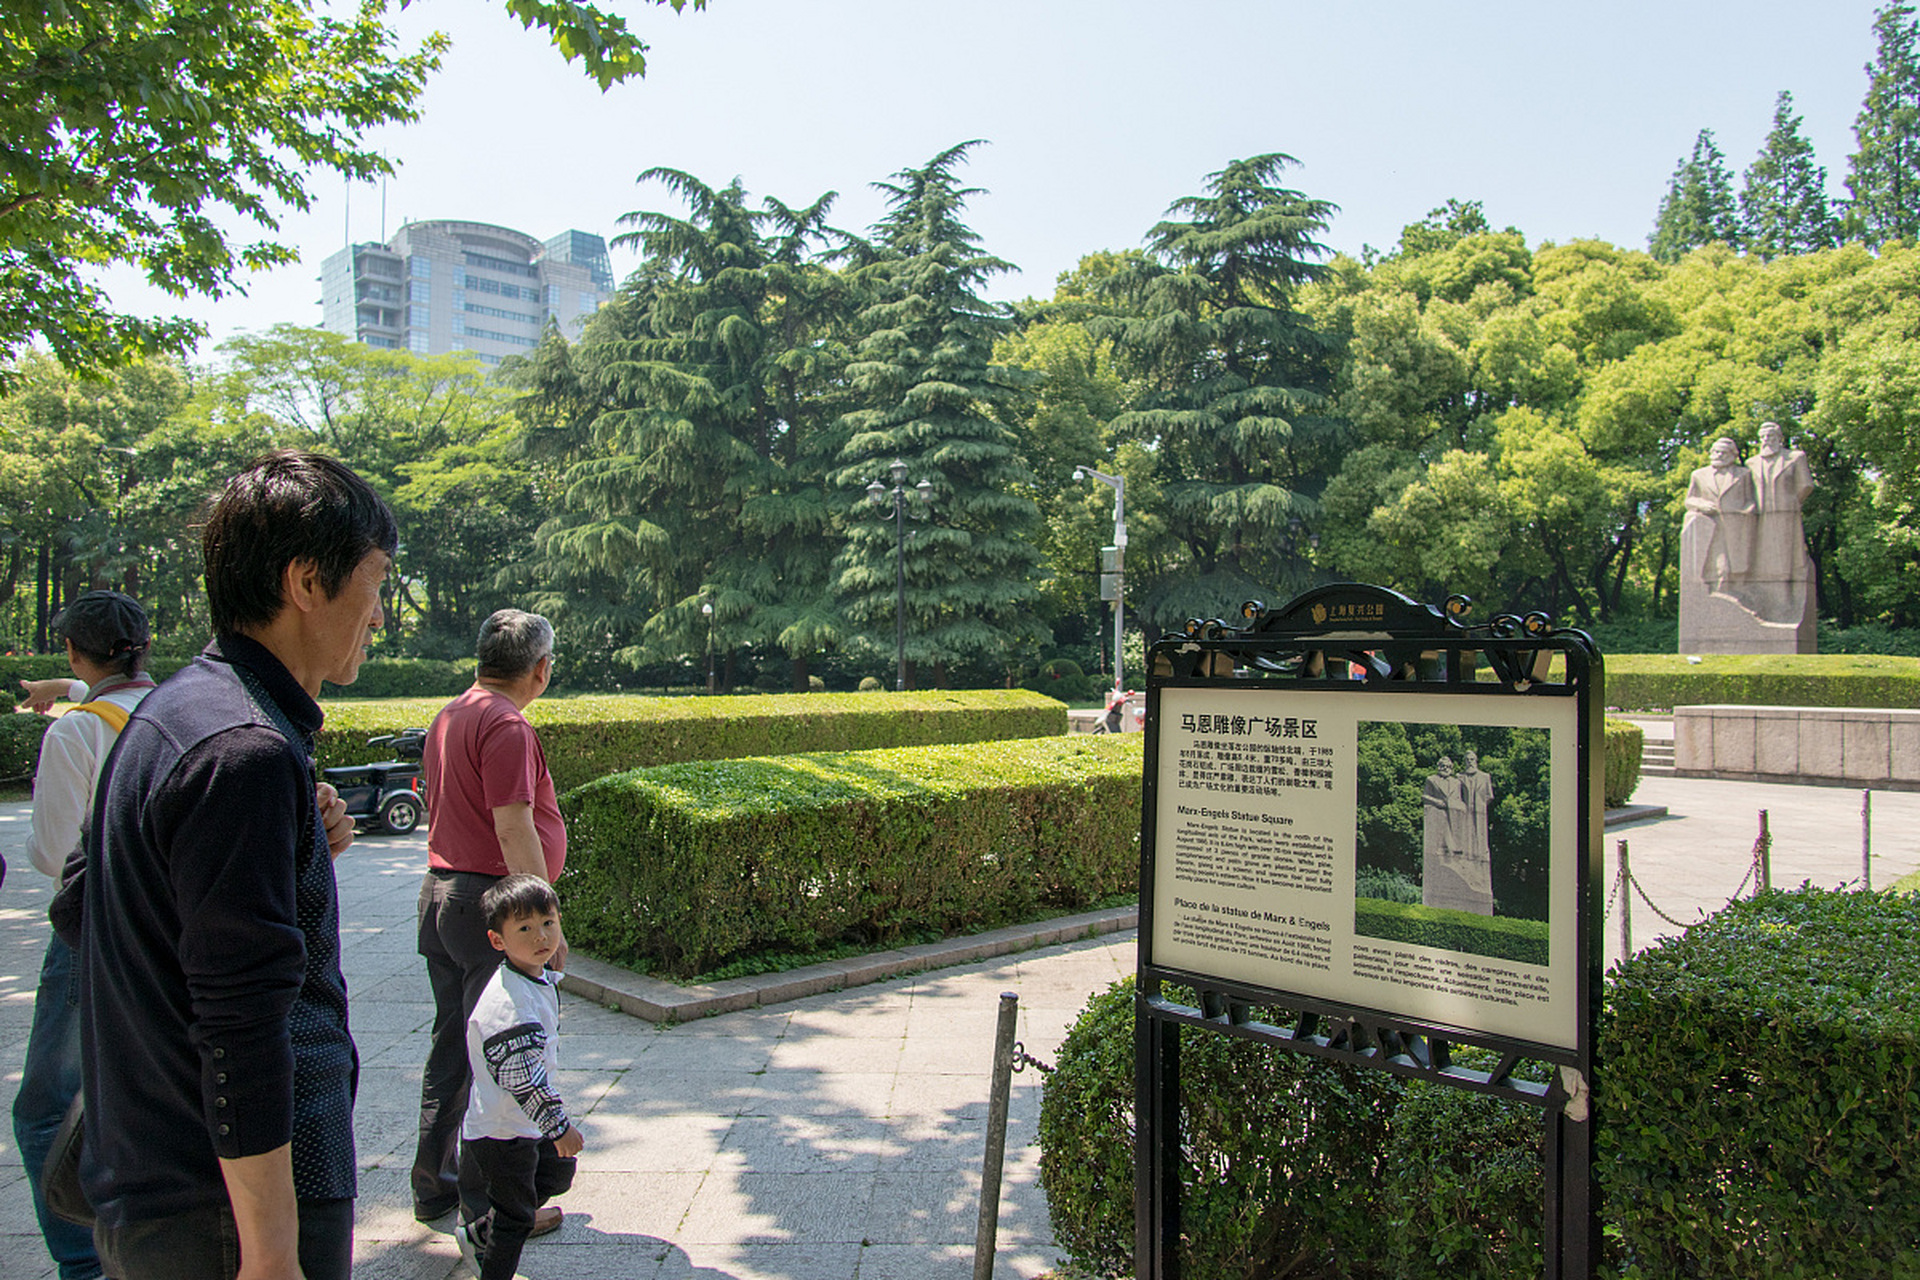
{"x": 517, "y": 895}
{"x": 289, "y": 505}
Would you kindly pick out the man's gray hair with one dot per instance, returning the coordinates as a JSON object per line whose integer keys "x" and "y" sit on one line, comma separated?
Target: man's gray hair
{"x": 512, "y": 642}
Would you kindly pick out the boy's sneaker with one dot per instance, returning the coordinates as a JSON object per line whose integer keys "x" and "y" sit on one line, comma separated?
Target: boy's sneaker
{"x": 472, "y": 1252}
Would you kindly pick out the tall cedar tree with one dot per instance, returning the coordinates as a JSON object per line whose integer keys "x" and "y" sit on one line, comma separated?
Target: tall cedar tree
{"x": 931, "y": 396}
{"x": 1884, "y": 173}
{"x": 699, "y": 477}
{"x": 1698, "y": 208}
{"x": 1234, "y": 380}
{"x": 1783, "y": 203}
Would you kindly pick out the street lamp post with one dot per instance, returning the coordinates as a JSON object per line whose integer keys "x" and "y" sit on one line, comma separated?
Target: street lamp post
{"x": 706, "y": 608}
{"x": 1119, "y": 486}
{"x": 878, "y": 494}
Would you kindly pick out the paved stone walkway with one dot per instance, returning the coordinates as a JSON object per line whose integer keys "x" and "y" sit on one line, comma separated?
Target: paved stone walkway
{"x": 837, "y": 1136}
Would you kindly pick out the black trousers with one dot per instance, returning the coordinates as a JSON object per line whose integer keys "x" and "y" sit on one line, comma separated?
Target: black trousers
{"x": 512, "y": 1177}
{"x": 205, "y": 1245}
{"x": 460, "y": 960}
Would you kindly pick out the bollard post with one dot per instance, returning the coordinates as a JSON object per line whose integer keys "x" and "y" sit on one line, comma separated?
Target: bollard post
{"x": 989, "y": 1228}
{"x": 1624, "y": 890}
{"x": 1763, "y": 855}
{"x": 1866, "y": 841}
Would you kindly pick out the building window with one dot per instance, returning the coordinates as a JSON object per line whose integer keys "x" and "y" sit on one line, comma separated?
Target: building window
{"x": 417, "y": 341}
{"x": 419, "y": 316}
{"x": 589, "y": 303}
{"x": 419, "y": 267}
{"x": 420, "y": 291}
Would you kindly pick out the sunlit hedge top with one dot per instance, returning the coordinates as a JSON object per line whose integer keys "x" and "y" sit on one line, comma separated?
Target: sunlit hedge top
{"x": 590, "y": 737}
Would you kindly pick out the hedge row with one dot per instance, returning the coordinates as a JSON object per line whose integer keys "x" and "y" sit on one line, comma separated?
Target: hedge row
{"x": 1500, "y": 937}
{"x": 1648, "y": 681}
{"x": 591, "y": 737}
{"x": 681, "y": 868}
{"x": 1626, "y": 743}
{"x": 1757, "y": 1101}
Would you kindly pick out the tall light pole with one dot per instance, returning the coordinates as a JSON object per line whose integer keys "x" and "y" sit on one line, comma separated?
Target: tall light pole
{"x": 1119, "y": 549}
{"x": 877, "y": 494}
{"x": 706, "y": 607}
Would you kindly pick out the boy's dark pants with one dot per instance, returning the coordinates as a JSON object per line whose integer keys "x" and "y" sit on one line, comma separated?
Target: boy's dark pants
{"x": 515, "y": 1176}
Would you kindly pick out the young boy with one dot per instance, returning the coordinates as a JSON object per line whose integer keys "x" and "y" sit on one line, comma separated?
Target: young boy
{"x": 516, "y": 1141}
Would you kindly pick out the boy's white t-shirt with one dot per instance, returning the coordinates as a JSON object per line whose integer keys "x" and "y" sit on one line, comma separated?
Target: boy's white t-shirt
{"x": 513, "y": 1048}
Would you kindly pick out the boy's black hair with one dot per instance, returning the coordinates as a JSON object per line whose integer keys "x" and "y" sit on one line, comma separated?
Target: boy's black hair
{"x": 517, "y": 895}
{"x": 283, "y": 507}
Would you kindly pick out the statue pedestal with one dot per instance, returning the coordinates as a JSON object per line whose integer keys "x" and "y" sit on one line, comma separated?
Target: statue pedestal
{"x": 1458, "y": 882}
{"x": 1714, "y": 622}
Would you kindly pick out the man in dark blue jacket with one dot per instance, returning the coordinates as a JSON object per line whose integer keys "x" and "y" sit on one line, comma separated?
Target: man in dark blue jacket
{"x": 219, "y": 1072}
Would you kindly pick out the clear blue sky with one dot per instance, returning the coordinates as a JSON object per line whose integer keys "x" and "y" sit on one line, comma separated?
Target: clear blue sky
{"x": 1563, "y": 120}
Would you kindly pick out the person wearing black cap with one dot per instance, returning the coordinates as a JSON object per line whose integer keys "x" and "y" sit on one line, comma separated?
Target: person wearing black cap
{"x": 107, "y": 638}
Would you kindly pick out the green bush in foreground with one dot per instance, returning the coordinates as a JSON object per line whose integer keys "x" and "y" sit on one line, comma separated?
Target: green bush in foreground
{"x": 1760, "y": 1092}
{"x": 1281, "y": 1153}
{"x": 1757, "y": 1095}
{"x": 591, "y": 737}
{"x": 684, "y": 867}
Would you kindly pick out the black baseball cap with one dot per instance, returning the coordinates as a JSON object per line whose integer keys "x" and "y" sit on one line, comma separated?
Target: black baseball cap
{"x": 104, "y": 625}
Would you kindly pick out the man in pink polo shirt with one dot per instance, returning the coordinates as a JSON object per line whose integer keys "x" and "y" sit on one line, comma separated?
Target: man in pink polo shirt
{"x": 493, "y": 813}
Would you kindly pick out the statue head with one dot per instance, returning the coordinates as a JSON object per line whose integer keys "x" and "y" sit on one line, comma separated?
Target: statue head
{"x": 1445, "y": 767}
{"x": 1725, "y": 453}
{"x": 1772, "y": 438}
{"x": 1473, "y": 760}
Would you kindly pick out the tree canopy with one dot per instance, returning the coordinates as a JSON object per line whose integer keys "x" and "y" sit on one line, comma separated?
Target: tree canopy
{"x": 133, "y": 132}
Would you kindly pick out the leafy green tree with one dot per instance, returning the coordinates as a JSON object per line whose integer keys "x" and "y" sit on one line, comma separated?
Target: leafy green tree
{"x": 1698, "y": 208}
{"x": 1233, "y": 383}
{"x": 435, "y": 434}
{"x": 930, "y": 395}
{"x": 1783, "y": 204}
{"x": 1883, "y": 174}
{"x": 137, "y": 133}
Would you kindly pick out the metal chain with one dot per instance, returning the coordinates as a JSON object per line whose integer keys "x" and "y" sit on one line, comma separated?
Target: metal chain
{"x": 1022, "y": 1059}
{"x": 1627, "y": 875}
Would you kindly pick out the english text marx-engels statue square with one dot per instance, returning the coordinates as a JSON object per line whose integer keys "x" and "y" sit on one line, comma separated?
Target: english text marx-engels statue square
{"x": 1746, "y": 581}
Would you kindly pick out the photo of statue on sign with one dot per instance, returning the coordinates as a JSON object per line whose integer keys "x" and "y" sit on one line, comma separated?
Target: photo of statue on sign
{"x": 1451, "y": 829}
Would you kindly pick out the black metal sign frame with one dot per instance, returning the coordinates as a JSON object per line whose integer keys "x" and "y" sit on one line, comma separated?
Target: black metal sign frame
{"x": 1361, "y": 641}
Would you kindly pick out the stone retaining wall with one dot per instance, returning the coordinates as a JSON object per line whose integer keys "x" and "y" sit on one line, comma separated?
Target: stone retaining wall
{"x": 1824, "y": 746}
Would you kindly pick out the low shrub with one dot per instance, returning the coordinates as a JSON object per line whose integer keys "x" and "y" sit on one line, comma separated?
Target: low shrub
{"x": 683, "y": 867}
{"x": 1626, "y": 743}
{"x": 1648, "y": 681}
{"x": 1462, "y": 1191}
{"x": 591, "y": 737}
{"x": 405, "y": 678}
{"x": 1281, "y": 1154}
{"x": 1759, "y": 1089}
{"x": 20, "y": 735}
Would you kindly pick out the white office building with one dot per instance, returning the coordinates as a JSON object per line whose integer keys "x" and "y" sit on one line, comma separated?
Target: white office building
{"x": 464, "y": 286}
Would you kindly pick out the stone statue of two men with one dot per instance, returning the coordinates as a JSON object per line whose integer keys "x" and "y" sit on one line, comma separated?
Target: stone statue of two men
{"x": 1456, "y": 863}
{"x": 1746, "y": 581}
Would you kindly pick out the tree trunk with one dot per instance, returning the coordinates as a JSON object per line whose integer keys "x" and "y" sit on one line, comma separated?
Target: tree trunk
{"x": 41, "y": 588}
{"x": 801, "y": 681}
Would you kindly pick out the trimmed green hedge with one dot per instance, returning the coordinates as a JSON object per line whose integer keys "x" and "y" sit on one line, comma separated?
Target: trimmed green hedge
{"x": 405, "y": 678}
{"x": 684, "y": 867}
{"x": 20, "y": 735}
{"x": 591, "y": 737}
{"x": 1496, "y": 936}
{"x": 1646, "y": 681}
{"x": 1757, "y": 1100}
{"x": 1760, "y": 1092}
{"x": 1626, "y": 743}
